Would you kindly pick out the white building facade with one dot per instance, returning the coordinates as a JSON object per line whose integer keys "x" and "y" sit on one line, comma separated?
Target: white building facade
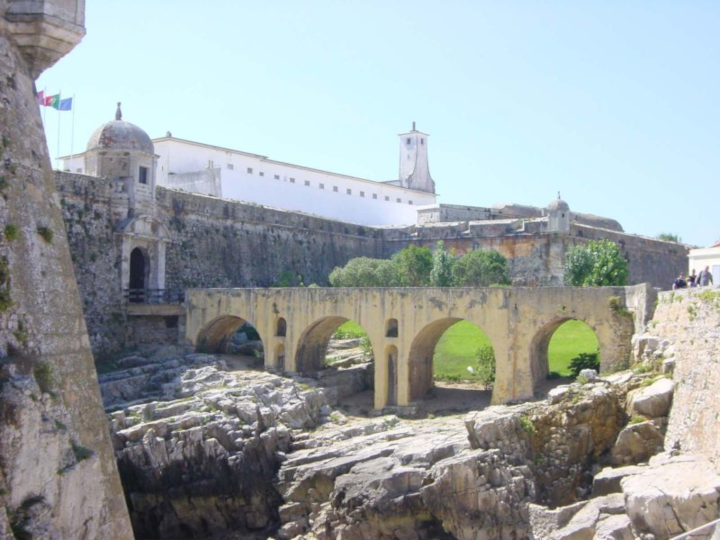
{"x": 233, "y": 174}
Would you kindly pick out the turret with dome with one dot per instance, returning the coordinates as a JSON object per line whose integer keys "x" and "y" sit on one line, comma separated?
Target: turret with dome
{"x": 558, "y": 212}
{"x": 124, "y": 153}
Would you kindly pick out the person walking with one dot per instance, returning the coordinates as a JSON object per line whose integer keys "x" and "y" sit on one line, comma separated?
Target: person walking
{"x": 705, "y": 278}
{"x": 679, "y": 282}
{"x": 692, "y": 279}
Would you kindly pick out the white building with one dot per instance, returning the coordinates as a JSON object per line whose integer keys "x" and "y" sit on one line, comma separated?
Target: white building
{"x": 709, "y": 257}
{"x": 233, "y": 174}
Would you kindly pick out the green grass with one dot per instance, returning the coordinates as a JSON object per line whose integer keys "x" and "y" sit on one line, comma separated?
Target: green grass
{"x": 456, "y": 348}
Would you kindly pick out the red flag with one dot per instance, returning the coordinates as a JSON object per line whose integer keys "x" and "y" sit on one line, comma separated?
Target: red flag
{"x": 52, "y": 101}
{"x": 41, "y": 98}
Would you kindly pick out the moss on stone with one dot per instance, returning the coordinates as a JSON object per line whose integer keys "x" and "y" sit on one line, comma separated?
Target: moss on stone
{"x": 46, "y": 233}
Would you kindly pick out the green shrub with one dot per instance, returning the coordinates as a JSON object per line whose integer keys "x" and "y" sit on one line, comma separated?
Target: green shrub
{"x": 527, "y": 425}
{"x": 81, "y": 453}
{"x": 584, "y": 361}
{"x": 46, "y": 234}
{"x": 485, "y": 361}
{"x": 45, "y": 378}
{"x": 12, "y": 233}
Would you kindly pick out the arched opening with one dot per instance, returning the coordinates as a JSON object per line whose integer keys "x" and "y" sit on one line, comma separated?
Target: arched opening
{"x": 139, "y": 275}
{"x": 281, "y": 327}
{"x": 556, "y": 346}
{"x": 236, "y": 339}
{"x": 391, "y": 328}
{"x": 338, "y": 353}
{"x": 391, "y": 353}
{"x": 280, "y": 357}
{"x": 453, "y": 362}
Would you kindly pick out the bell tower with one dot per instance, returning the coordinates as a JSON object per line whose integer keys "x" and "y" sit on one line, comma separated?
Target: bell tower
{"x": 414, "y": 167}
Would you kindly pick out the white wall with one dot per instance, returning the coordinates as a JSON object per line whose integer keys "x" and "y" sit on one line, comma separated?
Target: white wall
{"x": 253, "y": 178}
{"x": 700, "y": 258}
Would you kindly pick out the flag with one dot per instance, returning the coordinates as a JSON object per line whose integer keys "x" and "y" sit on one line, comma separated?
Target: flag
{"x": 65, "y": 104}
{"x": 52, "y": 101}
{"x": 41, "y": 97}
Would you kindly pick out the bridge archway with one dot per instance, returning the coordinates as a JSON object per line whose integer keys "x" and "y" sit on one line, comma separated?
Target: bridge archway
{"x": 423, "y": 350}
{"x": 216, "y": 336}
{"x": 540, "y": 347}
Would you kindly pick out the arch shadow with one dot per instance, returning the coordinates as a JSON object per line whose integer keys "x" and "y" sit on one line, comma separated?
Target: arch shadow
{"x": 215, "y": 336}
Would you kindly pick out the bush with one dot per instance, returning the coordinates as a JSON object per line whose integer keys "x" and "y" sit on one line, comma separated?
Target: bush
{"x": 595, "y": 264}
{"x": 485, "y": 360}
{"x": 584, "y": 361}
{"x": 480, "y": 268}
{"x": 12, "y": 233}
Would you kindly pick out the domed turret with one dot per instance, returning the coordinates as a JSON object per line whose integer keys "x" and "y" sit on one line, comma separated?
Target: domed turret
{"x": 120, "y": 135}
{"x": 558, "y": 215}
{"x": 123, "y": 153}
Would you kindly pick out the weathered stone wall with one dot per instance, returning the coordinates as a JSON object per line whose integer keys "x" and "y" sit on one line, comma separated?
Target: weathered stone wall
{"x": 690, "y": 321}
{"x": 536, "y": 257}
{"x": 58, "y": 477}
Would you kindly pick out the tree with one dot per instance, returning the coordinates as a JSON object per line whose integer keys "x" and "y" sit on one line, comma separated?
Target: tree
{"x": 480, "y": 268}
{"x": 669, "y": 237}
{"x": 414, "y": 265}
{"x": 365, "y": 272}
{"x": 442, "y": 266}
{"x": 595, "y": 264}
{"x": 485, "y": 360}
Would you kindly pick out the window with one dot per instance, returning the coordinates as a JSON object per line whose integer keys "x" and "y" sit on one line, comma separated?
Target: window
{"x": 292, "y": 180}
{"x": 321, "y": 186}
{"x": 362, "y": 193}
{"x": 230, "y": 166}
{"x": 335, "y": 189}
{"x": 262, "y": 173}
{"x": 408, "y": 140}
{"x": 374, "y": 195}
{"x": 398, "y": 200}
{"x": 307, "y": 182}
{"x": 277, "y": 177}
{"x": 422, "y": 141}
{"x": 387, "y": 198}
{"x": 78, "y": 170}
{"x": 249, "y": 170}
{"x": 409, "y": 202}
{"x": 143, "y": 176}
{"x": 349, "y": 192}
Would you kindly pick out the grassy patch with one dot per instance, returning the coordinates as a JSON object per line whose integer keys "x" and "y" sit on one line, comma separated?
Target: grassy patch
{"x": 456, "y": 349}
{"x": 349, "y": 330}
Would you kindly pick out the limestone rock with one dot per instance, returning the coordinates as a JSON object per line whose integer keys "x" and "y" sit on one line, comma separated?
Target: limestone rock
{"x": 652, "y": 401}
{"x": 673, "y": 495}
{"x": 608, "y": 480}
{"x": 637, "y": 443}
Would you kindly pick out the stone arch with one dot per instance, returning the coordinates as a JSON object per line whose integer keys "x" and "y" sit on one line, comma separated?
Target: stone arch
{"x": 151, "y": 236}
{"x": 540, "y": 344}
{"x": 391, "y": 356}
{"x": 313, "y": 343}
{"x": 281, "y": 327}
{"x": 215, "y": 335}
{"x": 422, "y": 350}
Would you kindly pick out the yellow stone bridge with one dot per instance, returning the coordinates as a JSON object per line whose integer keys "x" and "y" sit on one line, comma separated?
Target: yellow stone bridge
{"x": 405, "y": 324}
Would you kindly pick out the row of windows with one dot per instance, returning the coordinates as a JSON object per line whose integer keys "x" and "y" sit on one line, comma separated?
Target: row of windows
{"x": 322, "y": 186}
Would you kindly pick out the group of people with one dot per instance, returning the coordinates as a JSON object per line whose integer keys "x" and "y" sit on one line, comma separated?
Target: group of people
{"x": 703, "y": 279}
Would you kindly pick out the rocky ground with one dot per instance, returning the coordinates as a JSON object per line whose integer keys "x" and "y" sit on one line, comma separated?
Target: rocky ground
{"x": 209, "y": 447}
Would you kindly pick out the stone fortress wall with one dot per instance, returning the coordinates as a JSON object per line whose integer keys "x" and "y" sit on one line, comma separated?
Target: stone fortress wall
{"x": 58, "y": 476}
{"x": 221, "y": 243}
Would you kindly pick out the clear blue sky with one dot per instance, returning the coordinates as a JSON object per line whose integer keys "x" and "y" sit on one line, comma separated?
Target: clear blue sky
{"x": 615, "y": 104}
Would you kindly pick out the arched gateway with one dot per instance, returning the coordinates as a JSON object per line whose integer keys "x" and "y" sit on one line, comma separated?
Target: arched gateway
{"x": 403, "y": 326}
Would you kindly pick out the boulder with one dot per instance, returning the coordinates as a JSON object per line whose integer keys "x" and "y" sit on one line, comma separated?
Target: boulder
{"x": 652, "y": 401}
{"x": 608, "y": 480}
{"x": 637, "y": 443}
{"x": 673, "y": 495}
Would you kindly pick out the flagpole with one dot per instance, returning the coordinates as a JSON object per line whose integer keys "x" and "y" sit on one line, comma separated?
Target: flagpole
{"x": 44, "y": 109}
{"x": 72, "y": 132}
{"x": 57, "y": 155}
